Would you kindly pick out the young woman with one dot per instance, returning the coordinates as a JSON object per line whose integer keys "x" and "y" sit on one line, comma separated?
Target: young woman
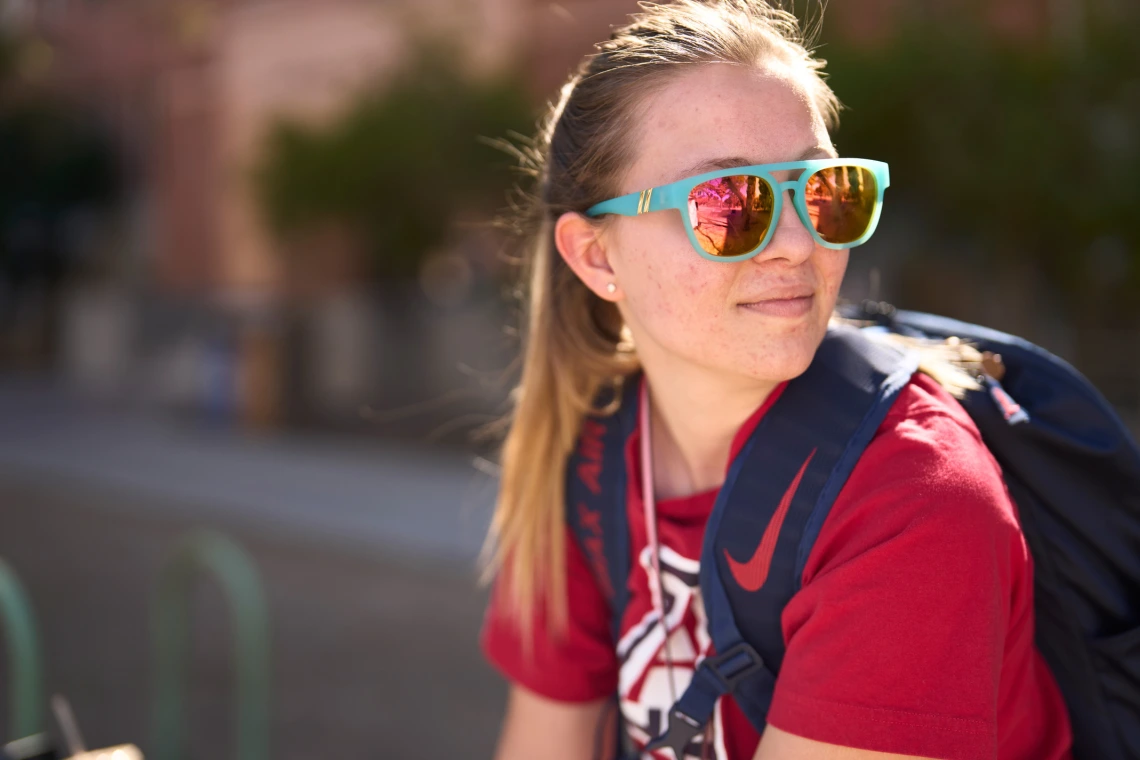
{"x": 913, "y": 632}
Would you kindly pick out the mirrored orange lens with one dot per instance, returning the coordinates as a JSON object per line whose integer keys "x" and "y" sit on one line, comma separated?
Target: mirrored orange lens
{"x": 731, "y": 215}
{"x": 841, "y": 202}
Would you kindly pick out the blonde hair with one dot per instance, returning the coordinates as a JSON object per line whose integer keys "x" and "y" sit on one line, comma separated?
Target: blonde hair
{"x": 574, "y": 343}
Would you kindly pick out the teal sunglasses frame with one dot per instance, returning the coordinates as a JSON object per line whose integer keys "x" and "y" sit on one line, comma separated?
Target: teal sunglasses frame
{"x": 675, "y": 195}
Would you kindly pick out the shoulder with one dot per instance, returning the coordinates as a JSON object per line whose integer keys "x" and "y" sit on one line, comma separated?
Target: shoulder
{"x": 925, "y": 413}
{"x": 929, "y": 442}
{"x": 925, "y": 483}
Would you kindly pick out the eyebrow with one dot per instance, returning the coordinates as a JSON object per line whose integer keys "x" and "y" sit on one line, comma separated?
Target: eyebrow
{"x": 730, "y": 162}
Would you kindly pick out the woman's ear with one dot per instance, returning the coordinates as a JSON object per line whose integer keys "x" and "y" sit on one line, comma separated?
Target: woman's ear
{"x": 579, "y": 244}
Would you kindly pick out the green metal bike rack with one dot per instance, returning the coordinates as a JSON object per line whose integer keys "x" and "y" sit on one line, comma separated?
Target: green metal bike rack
{"x": 25, "y": 668}
{"x": 222, "y": 558}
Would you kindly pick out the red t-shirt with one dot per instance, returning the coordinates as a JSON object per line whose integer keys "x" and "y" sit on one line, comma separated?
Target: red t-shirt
{"x": 912, "y": 632}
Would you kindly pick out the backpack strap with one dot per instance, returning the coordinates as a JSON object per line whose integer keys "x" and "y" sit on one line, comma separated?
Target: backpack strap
{"x": 596, "y": 510}
{"x": 596, "y": 497}
{"x": 768, "y": 514}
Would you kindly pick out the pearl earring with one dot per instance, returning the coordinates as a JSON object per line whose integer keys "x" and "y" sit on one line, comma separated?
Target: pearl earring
{"x": 611, "y": 288}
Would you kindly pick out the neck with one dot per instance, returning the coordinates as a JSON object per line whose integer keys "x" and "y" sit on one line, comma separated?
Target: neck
{"x": 694, "y": 415}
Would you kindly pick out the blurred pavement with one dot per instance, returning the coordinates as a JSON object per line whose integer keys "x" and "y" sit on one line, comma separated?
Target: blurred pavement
{"x": 425, "y": 504}
{"x": 366, "y": 553}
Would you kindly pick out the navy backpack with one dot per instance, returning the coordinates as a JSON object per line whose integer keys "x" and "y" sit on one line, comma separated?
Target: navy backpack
{"x": 1070, "y": 464}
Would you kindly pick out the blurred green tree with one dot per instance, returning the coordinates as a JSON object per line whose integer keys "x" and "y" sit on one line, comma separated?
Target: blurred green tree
{"x": 399, "y": 166}
{"x": 1027, "y": 149}
{"x": 56, "y": 161}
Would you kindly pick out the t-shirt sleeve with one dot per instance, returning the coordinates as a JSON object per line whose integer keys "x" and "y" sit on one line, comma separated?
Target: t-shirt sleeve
{"x": 578, "y": 666}
{"x": 895, "y": 640}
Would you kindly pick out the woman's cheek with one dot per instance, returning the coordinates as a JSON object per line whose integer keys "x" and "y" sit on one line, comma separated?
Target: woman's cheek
{"x": 837, "y": 268}
{"x": 676, "y": 287}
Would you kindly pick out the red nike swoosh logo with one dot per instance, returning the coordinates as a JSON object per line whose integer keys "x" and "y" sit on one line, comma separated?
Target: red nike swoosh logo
{"x": 752, "y": 574}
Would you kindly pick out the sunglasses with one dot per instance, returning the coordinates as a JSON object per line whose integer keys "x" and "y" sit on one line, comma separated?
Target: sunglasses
{"x": 730, "y": 214}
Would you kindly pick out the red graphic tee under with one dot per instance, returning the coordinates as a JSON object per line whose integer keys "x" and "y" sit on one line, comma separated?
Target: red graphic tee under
{"x": 912, "y": 632}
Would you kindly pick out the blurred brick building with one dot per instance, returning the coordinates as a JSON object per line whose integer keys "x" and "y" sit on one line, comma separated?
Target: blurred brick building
{"x": 189, "y": 86}
{"x": 187, "y": 89}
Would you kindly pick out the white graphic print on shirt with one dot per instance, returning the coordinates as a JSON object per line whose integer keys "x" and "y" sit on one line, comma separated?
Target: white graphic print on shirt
{"x": 647, "y": 684}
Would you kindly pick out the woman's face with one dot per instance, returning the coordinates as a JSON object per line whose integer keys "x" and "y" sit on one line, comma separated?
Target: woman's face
{"x": 762, "y": 318}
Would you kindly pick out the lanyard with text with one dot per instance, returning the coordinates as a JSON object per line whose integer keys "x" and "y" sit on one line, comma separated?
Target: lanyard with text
{"x": 650, "y": 505}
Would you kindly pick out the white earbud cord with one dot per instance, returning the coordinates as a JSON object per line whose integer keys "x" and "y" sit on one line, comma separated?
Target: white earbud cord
{"x": 655, "y": 589}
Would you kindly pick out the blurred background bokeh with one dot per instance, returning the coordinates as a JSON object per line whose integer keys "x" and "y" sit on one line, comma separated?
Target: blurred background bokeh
{"x": 249, "y": 283}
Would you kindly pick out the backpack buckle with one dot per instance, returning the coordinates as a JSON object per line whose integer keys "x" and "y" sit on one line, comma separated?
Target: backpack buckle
{"x": 715, "y": 676}
{"x": 733, "y": 665}
{"x": 680, "y": 734}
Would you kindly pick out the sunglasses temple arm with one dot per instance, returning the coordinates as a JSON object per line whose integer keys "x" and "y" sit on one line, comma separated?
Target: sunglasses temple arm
{"x": 625, "y": 205}
{"x": 658, "y": 198}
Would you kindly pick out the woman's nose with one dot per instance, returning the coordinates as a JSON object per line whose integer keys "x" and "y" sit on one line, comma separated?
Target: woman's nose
{"x": 791, "y": 240}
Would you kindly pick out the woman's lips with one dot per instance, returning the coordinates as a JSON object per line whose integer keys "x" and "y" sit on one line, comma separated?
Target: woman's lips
{"x": 781, "y": 307}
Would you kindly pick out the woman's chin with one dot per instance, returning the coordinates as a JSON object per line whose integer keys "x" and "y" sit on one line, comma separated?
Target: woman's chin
{"x": 786, "y": 357}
